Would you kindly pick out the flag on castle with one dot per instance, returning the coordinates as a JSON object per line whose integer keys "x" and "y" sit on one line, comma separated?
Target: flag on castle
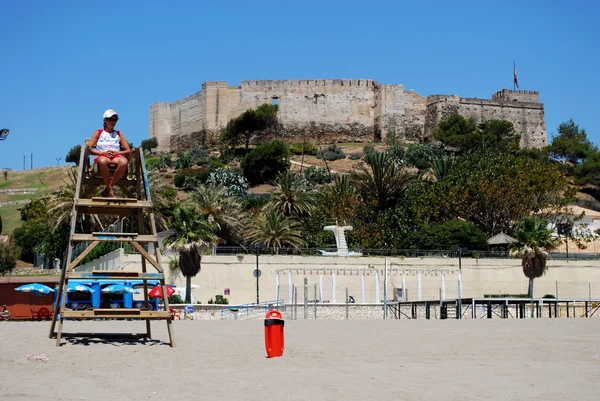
{"x": 516, "y": 81}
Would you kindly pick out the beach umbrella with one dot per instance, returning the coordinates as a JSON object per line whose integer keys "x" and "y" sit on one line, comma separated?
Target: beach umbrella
{"x": 156, "y": 292}
{"x": 36, "y": 288}
{"x": 74, "y": 287}
{"x": 118, "y": 289}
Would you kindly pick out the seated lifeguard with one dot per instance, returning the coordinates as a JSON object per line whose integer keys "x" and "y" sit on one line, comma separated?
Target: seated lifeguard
{"x": 111, "y": 147}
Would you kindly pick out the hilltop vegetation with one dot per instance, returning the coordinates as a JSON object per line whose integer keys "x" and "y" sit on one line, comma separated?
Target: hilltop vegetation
{"x": 472, "y": 182}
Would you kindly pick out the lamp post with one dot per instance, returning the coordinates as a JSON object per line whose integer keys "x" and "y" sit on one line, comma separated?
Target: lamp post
{"x": 257, "y": 272}
{"x": 57, "y": 160}
{"x": 4, "y": 133}
{"x": 459, "y": 298}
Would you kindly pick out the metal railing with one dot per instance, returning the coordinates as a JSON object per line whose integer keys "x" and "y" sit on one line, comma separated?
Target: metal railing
{"x": 407, "y": 253}
{"x": 246, "y": 311}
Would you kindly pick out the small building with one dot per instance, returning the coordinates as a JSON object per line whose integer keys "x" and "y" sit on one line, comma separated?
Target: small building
{"x": 20, "y": 304}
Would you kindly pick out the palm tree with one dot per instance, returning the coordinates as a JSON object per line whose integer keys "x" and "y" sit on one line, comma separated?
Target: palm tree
{"x": 225, "y": 212}
{"x": 533, "y": 241}
{"x": 191, "y": 234}
{"x": 385, "y": 183}
{"x": 340, "y": 199}
{"x": 274, "y": 229}
{"x": 440, "y": 168}
{"x": 255, "y": 203}
{"x": 293, "y": 195}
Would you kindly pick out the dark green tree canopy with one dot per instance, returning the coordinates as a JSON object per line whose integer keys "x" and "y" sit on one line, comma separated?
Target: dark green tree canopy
{"x": 571, "y": 145}
{"x": 465, "y": 135}
{"x": 73, "y": 155}
{"x": 265, "y": 162}
{"x": 148, "y": 144}
{"x": 449, "y": 235}
{"x": 249, "y": 123}
{"x": 458, "y": 132}
{"x": 9, "y": 254}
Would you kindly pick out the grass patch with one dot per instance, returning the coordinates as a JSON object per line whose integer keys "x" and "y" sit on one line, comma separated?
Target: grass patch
{"x": 7, "y": 198}
{"x": 11, "y": 218}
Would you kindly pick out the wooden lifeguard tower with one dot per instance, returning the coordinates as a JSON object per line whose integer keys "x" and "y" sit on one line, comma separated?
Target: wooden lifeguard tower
{"x": 137, "y": 202}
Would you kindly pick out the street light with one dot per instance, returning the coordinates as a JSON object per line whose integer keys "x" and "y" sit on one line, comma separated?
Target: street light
{"x": 4, "y": 133}
{"x": 460, "y": 251}
{"x": 57, "y": 160}
{"x": 256, "y": 272}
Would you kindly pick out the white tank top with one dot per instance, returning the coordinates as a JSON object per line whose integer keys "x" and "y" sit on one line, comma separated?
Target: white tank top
{"x": 109, "y": 141}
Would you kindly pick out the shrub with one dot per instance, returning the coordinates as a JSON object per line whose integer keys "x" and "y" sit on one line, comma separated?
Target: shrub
{"x": 331, "y": 153}
{"x": 234, "y": 183}
{"x": 165, "y": 161}
{"x": 317, "y": 176}
{"x": 198, "y": 176}
{"x": 369, "y": 153}
{"x": 354, "y": 156}
{"x": 199, "y": 156}
{"x": 179, "y": 179}
{"x": 152, "y": 162}
{"x": 191, "y": 182}
{"x": 168, "y": 175}
{"x": 422, "y": 155}
{"x": 215, "y": 162}
{"x": 306, "y": 148}
{"x": 219, "y": 299}
{"x": 265, "y": 162}
{"x": 183, "y": 161}
{"x": 397, "y": 154}
{"x": 176, "y": 299}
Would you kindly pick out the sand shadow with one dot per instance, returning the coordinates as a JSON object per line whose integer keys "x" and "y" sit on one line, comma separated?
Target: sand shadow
{"x": 115, "y": 342}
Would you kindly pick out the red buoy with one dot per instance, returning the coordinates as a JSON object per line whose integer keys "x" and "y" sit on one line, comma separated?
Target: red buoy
{"x": 274, "y": 334}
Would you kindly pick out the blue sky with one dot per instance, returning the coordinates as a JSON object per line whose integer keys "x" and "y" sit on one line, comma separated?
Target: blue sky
{"x": 65, "y": 62}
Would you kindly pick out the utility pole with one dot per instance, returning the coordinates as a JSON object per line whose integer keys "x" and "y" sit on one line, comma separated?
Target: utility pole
{"x": 32, "y": 161}
{"x": 257, "y": 272}
{"x": 24, "y": 158}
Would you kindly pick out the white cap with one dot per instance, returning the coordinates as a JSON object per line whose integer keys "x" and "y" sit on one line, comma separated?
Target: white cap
{"x": 110, "y": 113}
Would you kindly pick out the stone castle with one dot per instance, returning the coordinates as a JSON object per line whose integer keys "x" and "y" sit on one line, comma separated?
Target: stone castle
{"x": 346, "y": 110}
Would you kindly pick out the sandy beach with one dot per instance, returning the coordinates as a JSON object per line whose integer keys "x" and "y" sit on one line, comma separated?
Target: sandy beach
{"x": 540, "y": 359}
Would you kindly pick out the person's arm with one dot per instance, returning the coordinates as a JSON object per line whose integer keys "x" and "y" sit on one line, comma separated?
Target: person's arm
{"x": 93, "y": 142}
{"x": 125, "y": 149}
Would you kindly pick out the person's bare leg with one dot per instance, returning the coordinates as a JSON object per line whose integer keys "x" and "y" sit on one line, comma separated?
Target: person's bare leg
{"x": 119, "y": 173}
{"x": 103, "y": 167}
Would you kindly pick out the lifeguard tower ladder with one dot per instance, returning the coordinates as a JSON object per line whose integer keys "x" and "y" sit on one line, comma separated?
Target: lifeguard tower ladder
{"x": 137, "y": 202}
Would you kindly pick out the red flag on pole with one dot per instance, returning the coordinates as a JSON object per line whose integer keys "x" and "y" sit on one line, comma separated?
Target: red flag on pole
{"x": 516, "y": 81}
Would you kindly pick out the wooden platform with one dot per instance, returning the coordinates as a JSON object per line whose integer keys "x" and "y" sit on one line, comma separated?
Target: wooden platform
{"x": 113, "y": 237}
{"x": 116, "y": 275}
{"x": 115, "y": 313}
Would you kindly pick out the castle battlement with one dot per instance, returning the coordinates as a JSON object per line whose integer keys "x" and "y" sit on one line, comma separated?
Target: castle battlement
{"x": 509, "y": 95}
{"x": 309, "y": 83}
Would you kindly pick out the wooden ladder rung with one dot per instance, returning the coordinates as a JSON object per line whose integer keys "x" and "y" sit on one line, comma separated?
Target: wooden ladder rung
{"x": 104, "y": 233}
{"x": 112, "y": 200}
{"x": 114, "y": 313}
{"x": 114, "y": 237}
{"x": 116, "y": 275}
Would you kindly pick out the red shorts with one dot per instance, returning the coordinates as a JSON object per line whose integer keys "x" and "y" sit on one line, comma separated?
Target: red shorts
{"x": 109, "y": 158}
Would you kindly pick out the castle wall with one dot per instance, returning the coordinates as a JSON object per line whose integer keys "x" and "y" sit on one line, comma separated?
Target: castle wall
{"x": 327, "y": 110}
{"x": 527, "y": 118}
